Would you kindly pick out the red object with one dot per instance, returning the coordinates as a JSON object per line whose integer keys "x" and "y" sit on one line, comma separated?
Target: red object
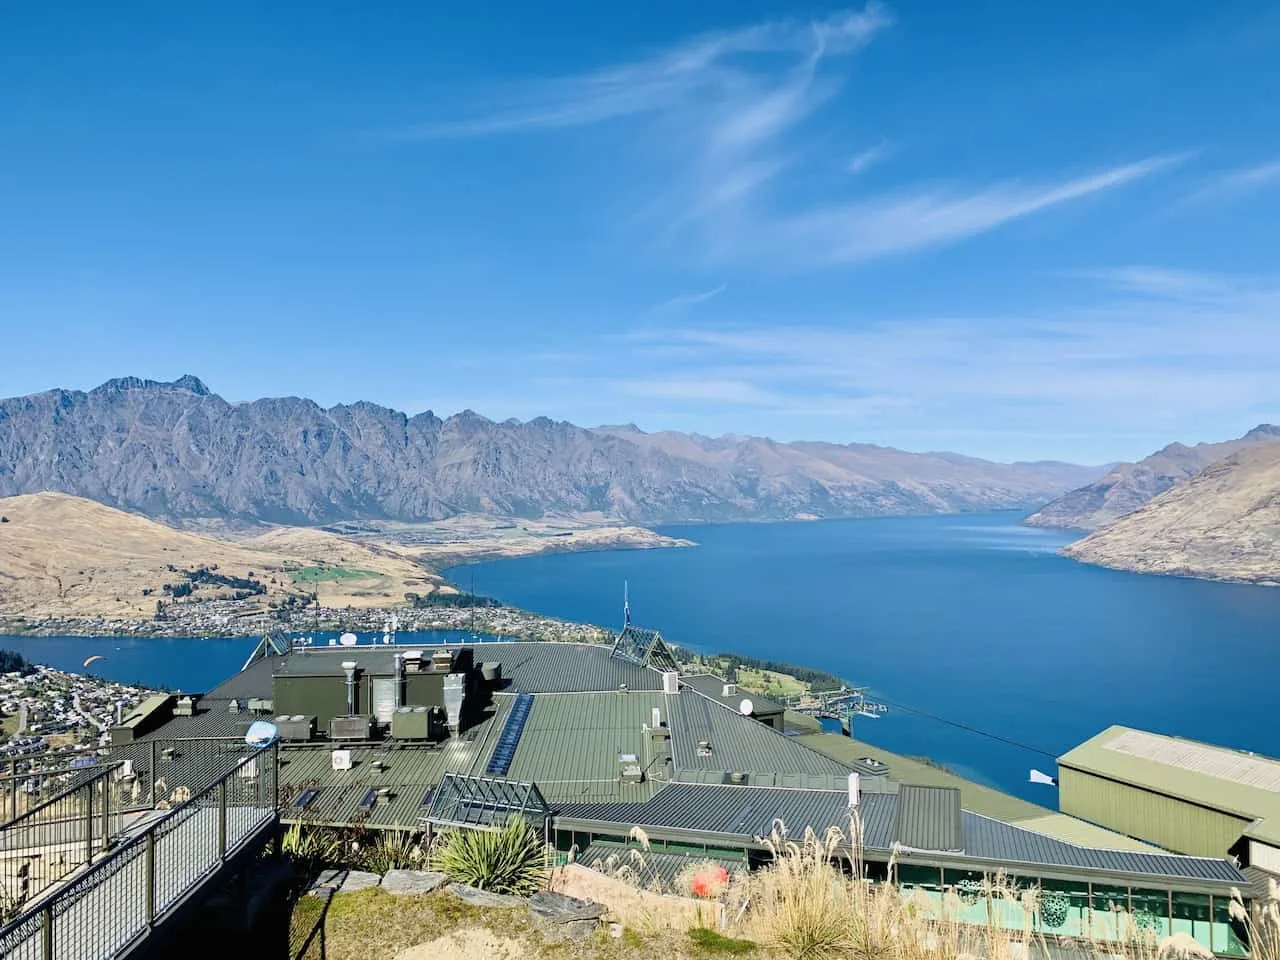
{"x": 709, "y": 882}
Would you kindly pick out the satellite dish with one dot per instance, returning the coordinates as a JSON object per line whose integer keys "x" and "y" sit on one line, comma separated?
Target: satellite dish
{"x": 348, "y": 640}
{"x": 261, "y": 733}
{"x": 746, "y": 708}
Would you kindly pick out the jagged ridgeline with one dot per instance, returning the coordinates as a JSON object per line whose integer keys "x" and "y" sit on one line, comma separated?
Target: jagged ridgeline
{"x": 176, "y": 451}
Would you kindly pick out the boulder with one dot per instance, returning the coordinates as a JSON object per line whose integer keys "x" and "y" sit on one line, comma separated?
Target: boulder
{"x": 359, "y": 880}
{"x": 557, "y": 908}
{"x": 398, "y": 882}
{"x": 483, "y": 898}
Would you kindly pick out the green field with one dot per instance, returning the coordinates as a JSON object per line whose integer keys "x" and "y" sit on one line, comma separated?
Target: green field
{"x": 329, "y": 574}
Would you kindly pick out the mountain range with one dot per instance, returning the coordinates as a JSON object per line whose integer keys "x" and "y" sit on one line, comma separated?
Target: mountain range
{"x": 1223, "y": 523}
{"x": 1130, "y": 486}
{"x": 177, "y": 452}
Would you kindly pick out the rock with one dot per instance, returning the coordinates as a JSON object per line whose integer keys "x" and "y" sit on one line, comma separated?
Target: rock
{"x": 327, "y": 881}
{"x": 483, "y": 898}
{"x": 359, "y": 880}
{"x": 557, "y": 908}
{"x": 397, "y": 882}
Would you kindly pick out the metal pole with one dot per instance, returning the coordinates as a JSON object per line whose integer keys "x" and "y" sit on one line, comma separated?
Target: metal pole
{"x": 88, "y": 823}
{"x": 222, "y": 819}
{"x": 150, "y": 866}
{"x": 46, "y": 933}
{"x": 106, "y": 809}
{"x": 13, "y": 792}
{"x": 152, "y": 774}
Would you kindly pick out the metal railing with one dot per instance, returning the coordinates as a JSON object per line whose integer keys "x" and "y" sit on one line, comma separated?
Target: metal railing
{"x": 122, "y": 897}
{"x": 54, "y": 838}
{"x": 20, "y": 792}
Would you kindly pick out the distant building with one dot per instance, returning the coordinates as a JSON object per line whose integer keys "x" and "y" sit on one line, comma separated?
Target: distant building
{"x": 1185, "y": 796}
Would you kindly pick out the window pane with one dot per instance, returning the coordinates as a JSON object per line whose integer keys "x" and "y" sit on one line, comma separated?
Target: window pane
{"x": 1110, "y": 907}
{"x": 1064, "y": 908}
{"x": 1191, "y": 916}
{"x": 1151, "y": 911}
{"x": 1228, "y": 933}
{"x": 971, "y": 890}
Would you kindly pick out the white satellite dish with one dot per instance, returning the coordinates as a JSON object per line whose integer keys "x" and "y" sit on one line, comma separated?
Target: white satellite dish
{"x": 746, "y": 708}
{"x": 348, "y": 640}
{"x": 261, "y": 733}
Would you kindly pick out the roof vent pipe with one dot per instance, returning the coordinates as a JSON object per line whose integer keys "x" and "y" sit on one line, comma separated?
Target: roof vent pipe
{"x": 399, "y": 682}
{"x": 853, "y": 790}
{"x": 349, "y": 667}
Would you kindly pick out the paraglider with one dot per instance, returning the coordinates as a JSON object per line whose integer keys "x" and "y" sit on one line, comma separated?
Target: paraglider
{"x": 90, "y": 660}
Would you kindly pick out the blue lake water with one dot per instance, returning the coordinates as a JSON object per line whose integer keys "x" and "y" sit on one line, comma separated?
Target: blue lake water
{"x": 961, "y": 623}
{"x": 957, "y": 622}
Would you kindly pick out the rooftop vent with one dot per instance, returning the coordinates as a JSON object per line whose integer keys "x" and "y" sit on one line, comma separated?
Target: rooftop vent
{"x": 854, "y": 793}
{"x": 349, "y": 668}
{"x": 442, "y": 661}
{"x": 629, "y": 769}
{"x": 186, "y": 707}
{"x": 704, "y": 748}
{"x": 656, "y": 718}
{"x": 670, "y": 682}
{"x": 738, "y": 778}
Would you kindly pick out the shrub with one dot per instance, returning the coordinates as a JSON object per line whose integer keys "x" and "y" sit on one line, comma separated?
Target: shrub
{"x": 506, "y": 860}
{"x": 392, "y": 850}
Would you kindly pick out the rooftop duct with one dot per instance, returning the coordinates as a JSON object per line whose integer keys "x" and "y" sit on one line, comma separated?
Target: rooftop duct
{"x": 349, "y": 668}
{"x": 854, "y": 792}
{"x": 399, "y": 691}
{"x": 454, "y": 692}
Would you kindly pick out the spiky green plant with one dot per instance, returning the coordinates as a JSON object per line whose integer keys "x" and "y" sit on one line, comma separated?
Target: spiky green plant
{"x": 393, "y": 850}
{"x": 508, "y": 860}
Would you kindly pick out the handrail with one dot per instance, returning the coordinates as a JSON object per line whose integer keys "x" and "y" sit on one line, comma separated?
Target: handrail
{"x": 123, "y": 896}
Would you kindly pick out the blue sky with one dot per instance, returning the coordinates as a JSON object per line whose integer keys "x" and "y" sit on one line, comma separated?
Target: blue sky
{"x": 1014, "y": 230}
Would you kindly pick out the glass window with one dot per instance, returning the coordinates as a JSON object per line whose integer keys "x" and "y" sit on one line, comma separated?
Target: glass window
{"x": 925, "y": 883}
{"x": 1228, "y": 933}
{"x": 971, "y": 889}
{"x": 1107, "y": 920}
{"x": 1064, "y": 908}
{"x": 1191, "y": 915}
{"x": 1150, "y": 912}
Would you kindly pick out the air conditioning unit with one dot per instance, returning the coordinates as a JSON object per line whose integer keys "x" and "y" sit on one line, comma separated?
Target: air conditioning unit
{"x": 340, "y": 759}
{"x": 297, "y": 727}
{"x": 729, "y": 690}
{"x": 260, "y": 705}
{"x": 411, "y": 723}
{"x": 629, "y": 770}
{"x": 351, "y": 728}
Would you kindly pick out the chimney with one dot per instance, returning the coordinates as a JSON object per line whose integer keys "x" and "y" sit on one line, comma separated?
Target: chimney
{"x": 399, "y": 682}
{"x": 349, "y": 667}
{"x": 853, "y": 791}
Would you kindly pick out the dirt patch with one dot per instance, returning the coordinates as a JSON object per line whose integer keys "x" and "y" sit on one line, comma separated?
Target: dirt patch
{"x": 469, "y": 943}
{"x": 635, "y": 908}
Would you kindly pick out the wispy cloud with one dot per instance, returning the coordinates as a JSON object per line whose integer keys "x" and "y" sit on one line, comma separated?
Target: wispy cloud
{"x": 720, "y": 120}
{"x": 1236, "y": 184}
{"x": 866, "y": 159}
{"x": 683, "y": 301}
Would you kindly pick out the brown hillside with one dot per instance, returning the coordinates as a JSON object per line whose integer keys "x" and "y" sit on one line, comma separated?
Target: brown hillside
{"x": 66, "y": 556}
{"x": 1222, "y": 524}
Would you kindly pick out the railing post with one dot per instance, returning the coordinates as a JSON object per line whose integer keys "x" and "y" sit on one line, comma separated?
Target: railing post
{"x": 46, "y": 933}
{"x": 88, "y": 823}
{"x": 106, "y": 809}
{"x": 13, "y": 792}
{"x": 151, "y": 791}
{"x": 150, "y": 869}
{"x": 222, "y": 819}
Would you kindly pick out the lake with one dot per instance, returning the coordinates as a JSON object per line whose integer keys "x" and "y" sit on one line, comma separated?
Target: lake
{"x": 995, "y": 654}
{"x": 961, "y": 623}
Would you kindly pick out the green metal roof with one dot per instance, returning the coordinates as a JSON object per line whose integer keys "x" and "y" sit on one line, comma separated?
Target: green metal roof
{"x": 712, "y": 687}
{"x": 975, "y": 796}
{"x": 929, "y": 818}
{"x": 1234, "y": 782}
{"x": 571, "y": 742}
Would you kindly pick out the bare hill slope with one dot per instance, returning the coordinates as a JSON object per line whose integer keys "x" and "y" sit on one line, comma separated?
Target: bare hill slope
{"x": 68, "y": 556}
{"x": 1131, "y": 485}
{"x": 1222, "y": 524}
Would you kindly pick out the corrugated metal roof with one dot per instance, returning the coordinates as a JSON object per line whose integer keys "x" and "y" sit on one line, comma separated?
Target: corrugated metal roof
{"x": 929, "y": 818}
{"x": 1230, "y": 781}
{"x": 253, "y": 682}
{"x": 712, "y": 687}
{"x": 992, "y": 840}
{"x": 570, "y": 744}
{"x": 738, "y": 743}
{"x": 212, "y": 718}
{"x": 975, "y": 796}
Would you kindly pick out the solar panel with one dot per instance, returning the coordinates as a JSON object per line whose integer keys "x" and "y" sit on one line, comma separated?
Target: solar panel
{"x": 305, "y": 797}
{"x": 505, "y": 750}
